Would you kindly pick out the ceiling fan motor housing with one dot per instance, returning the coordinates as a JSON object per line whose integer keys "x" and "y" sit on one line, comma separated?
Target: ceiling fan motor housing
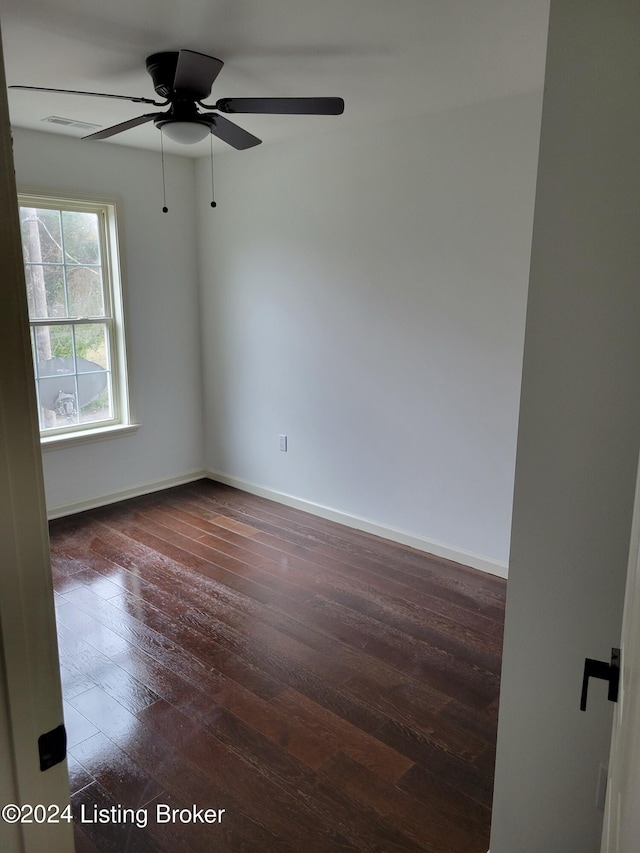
{"x": 189, "y": 78}
{"x": 162, "y": 68}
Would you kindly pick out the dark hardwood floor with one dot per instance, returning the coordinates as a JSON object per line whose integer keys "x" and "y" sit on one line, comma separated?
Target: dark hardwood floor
{"x": 331, "y": 691}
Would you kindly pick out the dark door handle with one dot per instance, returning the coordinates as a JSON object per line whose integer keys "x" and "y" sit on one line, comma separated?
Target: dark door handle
{"x": 607, "y": 671}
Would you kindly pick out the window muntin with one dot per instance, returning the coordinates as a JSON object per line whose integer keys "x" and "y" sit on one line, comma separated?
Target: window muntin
{"x": 75, "y": 312}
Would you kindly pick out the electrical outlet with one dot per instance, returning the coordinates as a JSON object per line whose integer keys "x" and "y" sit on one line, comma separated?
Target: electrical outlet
{"x": 283, "y": 443}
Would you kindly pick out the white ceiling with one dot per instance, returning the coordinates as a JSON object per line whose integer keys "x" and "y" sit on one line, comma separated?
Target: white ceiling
{"x": 387, "y": 59}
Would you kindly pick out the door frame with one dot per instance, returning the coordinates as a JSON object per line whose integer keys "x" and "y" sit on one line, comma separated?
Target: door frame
{"x": 29, "y": 666}
{"x": 622, "y": 817}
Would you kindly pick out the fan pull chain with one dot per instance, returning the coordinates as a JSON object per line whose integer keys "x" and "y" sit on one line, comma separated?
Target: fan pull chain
{"x": 165, "y": 209}
{"x": 213, "y": 204}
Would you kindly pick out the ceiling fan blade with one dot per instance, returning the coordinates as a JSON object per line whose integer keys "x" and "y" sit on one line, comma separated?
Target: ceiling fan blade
{"x": 92, "y": 94}
{"x": 195, "y": 73}
{"x": 230, "y": 133}
{"x": 124, "y": 125}
{"x": 282, "y": 106}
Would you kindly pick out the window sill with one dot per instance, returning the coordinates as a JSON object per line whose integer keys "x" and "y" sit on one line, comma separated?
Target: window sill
{"x": 56, "y": 442}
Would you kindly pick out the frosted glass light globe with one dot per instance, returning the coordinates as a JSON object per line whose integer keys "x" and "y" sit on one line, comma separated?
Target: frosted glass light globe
{"x": 186, "y": 132}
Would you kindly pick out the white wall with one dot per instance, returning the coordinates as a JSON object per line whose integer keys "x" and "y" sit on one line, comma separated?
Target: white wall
{"x": 579, "y": 434}
{"x": 161, "y": 292}
{"x": 364, "y": 292}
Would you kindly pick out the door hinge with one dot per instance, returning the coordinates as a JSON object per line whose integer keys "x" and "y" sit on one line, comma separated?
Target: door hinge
{"x": 607, "y": 671}
{"x": 52, "y": 747}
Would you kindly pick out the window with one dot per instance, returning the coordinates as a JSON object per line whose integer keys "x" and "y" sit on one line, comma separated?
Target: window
{"x": 72, "y": 273}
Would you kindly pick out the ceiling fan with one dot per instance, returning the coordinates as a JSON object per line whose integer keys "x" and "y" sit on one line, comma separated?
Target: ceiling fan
{"x": 184, "y": 79}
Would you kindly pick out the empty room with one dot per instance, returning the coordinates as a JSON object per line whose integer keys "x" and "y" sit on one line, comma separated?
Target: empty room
{"x": 320, "y": 419}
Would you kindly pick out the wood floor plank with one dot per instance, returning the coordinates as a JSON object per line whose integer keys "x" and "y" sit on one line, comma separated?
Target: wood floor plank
{"x": 82, "y": 843}
{"x": 442, "y": 583}
{"x": 187, "y": 551}
{"x": 111, "y": 837}
{"x": 79, "y": 776}
{"x": 434, "y": 830}
{"x": 226, "y": 601}
{"x": 326, "y": 806}
{"x": 439, "y": 667}
{"x": 331, "y": 690}
{"x": 73, "y": 681}
{"x": 443, "y": 764}
{"x": 93, "y": 632}
{"x": 434, "y": 791}
{"x": 334, "y": 540}
{"x": 386, "y": 763}
{"x": 476, "y": 639}
{"x": 233, "y": 832}
{"x": 115, "y": 771}
{"x": 170, "y": 641}
{"x": 280, "y": 727}
{"x": 411, "y": 712}
{"x": 267, "y": 801}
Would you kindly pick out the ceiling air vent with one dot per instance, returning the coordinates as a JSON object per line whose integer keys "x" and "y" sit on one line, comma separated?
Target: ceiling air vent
{"x": 71, "y": 122}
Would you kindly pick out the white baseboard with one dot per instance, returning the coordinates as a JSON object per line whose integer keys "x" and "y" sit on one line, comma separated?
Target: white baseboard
{"x": 122, "y": 495}
{"x": 438, "y": 549}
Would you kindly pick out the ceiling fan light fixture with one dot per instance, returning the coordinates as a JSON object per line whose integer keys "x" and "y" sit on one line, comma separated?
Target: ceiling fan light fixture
{"x": 185, "y": 132}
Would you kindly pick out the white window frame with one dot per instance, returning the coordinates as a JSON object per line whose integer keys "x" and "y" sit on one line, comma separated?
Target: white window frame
{"x": 110, "y": 246}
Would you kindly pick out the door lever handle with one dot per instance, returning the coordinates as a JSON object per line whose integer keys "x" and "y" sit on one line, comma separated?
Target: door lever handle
{"x": 607, "y": 671}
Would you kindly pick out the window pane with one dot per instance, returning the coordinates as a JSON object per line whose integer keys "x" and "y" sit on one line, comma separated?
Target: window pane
{"x": 92, "y": 345}
{"x": 81, "y": 237}
{"x": 57, "y": 397}
{"x": 45, "y": 291}
{"x": 41, "y": 342}
{"x": 84, "y": 286}
{"x": 61, "y": 338}
{"x": 74, "y": 381}
{"x": 94, "y": 379}
{"x": 51, "y": 344}
{"x": 94, "y": 396}
{"x": 41, "y": 235}
{"x": 56, "y": 373}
